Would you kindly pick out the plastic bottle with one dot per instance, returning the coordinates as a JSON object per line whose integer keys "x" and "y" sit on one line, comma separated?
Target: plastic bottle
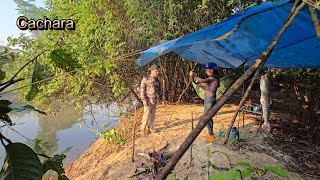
{"x": 221, "y": 132}
{"x": 234, "y": 134}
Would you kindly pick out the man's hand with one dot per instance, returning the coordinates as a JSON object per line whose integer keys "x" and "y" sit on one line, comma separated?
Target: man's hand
{"x": 163, "y": 102}
{"x": 191, "y": 73}
{"x": 144, "y": 103}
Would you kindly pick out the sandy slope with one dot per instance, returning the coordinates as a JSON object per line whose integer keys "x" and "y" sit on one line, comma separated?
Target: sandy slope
{"x": 105, "y": 161}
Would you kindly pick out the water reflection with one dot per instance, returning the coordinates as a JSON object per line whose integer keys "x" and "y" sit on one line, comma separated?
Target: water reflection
{"x": 67, "y": 128}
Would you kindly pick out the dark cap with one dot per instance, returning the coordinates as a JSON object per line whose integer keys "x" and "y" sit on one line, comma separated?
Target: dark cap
{"x": 153, "y": 67}
{"x": 212, "y": 66}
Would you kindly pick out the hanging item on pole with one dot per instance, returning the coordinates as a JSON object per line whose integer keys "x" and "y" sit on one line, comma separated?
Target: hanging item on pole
{"x": 265, "y": 101}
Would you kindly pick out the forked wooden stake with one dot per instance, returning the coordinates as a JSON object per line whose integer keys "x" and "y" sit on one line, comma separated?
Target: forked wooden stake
{"x": 191, "y": 144}
{"x": 134, "y": 131}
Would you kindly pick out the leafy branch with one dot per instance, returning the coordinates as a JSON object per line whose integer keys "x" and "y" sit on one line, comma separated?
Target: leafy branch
{"x": 9, "y": 83}
{"x": 33, "y": 59}
{"x": 243, "y": 170}
{"x": 21, "y": 161}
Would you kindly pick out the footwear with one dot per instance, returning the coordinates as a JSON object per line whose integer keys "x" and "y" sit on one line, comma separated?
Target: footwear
{"x": 210, "y": 138}
{"x": 151, "y": 131}
{"x": 142, "y": 133}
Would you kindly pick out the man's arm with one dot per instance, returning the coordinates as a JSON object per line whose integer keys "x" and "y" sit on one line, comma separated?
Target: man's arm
{"x": 159, "y": 91}
{"x": 200, "y": 80}
{"x": 143, "y": 92}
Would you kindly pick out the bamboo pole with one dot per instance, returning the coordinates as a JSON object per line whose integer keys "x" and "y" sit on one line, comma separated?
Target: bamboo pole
{"x": 315, "y": 20}
{"x": 134, "y": 131}
{"x": 204, "y": 120}
{"x": 135, "y": 95}
{"x": 191, "y": 144}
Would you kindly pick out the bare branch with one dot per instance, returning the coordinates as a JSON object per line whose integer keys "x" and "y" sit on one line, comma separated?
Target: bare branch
{"x": 315, "y": 20}
{"x": 27, "y": 64}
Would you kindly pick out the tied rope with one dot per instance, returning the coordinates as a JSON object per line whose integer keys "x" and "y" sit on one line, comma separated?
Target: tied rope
{"x": 188, "y": 84}
{"x": 123, "y": 57}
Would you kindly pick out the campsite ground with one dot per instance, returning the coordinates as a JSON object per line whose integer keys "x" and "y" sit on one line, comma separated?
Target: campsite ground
{"x": 105, "y": 161}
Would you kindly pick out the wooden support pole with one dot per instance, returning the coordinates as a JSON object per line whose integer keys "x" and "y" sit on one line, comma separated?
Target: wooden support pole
{"x": 134, "y": 131}
{"x": 135, "y": 95}
{"x": 205, "y": 119}
{"x": 241, "y": 103}
{"x": 260, "y": 124}
{"x": 163, "y": 87}
{"x": 191, "y": 144}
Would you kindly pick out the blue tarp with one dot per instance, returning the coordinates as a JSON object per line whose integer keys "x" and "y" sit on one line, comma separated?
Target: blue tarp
{"x": 299, "y": 46}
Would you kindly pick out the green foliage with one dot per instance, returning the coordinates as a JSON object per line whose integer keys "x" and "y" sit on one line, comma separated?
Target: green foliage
{"x": 238, "y": 174}
{"x": 113, "y": 135}
{"x": 209, "y": 153}
{"x": 239, "y": 170}
{"x": 218, "y": 176}
{"x": 243, "y": 170}
{"x": 40, "y": 146}
{"x": 105, "y": 29}
{"x": 5, "y": 57}
{"x": 243, "y": 164}
{"x": 33, "y": 91}
{"x": 55, "y": 163}
{"x": 169, "y": 177}
{"x": 63, "y": 60}
{"x": 277, "y": 170}
{"x": 21, "y": 163}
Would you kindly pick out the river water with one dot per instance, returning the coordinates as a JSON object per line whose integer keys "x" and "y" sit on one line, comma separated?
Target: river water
{"x": 69, "y": 131}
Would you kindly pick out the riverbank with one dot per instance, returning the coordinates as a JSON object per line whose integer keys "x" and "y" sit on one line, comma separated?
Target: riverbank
{"x": 106, "y": 161}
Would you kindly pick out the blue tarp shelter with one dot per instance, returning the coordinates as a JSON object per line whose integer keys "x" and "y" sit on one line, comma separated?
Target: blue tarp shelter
{"x": 299, "y": 46}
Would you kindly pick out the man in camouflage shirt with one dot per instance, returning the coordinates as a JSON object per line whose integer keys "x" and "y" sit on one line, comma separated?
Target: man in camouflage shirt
{"x": 150, "y": 94}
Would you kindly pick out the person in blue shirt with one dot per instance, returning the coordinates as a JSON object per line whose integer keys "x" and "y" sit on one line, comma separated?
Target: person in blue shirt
{"x": 209, "y": 85}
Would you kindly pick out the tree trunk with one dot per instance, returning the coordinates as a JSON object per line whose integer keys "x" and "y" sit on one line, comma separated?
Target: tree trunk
{"x": 204, "y": 120}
